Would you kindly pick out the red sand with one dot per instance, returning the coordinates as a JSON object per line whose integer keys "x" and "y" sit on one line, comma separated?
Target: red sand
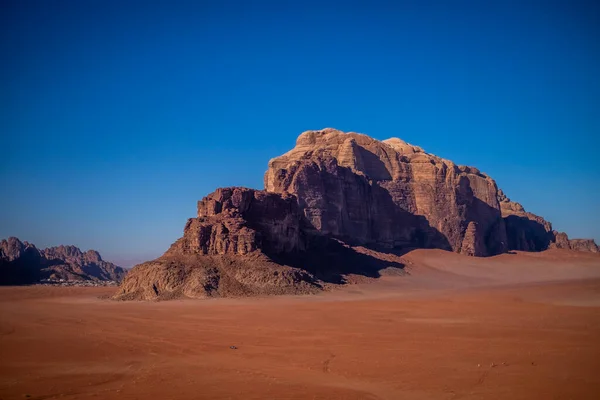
{"x": 524, "y": 326}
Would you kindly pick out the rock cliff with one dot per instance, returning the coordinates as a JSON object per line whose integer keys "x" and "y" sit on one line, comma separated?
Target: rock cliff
{"x": 389, "y": 193}
{"x": 250, "y": 242}
{"x": 338, "y": 205}
{"x": 240, "y": 220}
{"x": 529, "y": 232}
{"x": 524, "y": 230}
{"x": 228, "y": 250}
{"x": 23, "y": 263}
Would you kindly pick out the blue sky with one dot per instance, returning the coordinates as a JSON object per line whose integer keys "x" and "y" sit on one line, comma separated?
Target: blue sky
{"x": 116, "y": 118}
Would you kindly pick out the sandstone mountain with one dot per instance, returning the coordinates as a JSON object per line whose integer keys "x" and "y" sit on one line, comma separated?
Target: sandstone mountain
{"x": 336, "y": 205}
{"x": 23, "y": 263}
{"x": 391, "y": 193}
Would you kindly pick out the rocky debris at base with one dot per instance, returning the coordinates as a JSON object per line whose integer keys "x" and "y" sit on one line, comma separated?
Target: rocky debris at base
{"x": 183, "y": 274}
{"x": 66, "y": 283}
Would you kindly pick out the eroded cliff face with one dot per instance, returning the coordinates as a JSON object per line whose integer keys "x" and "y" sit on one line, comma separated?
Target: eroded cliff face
{"x": 588, "y": 245}
{"x": 20, "y": 262}
{"x": 389, "y": 193}
{"x": 250, "y": 242}
{"x": 529, "y": 232}
{"x": 239, "y": 221}
{"x": 228, "y": 250}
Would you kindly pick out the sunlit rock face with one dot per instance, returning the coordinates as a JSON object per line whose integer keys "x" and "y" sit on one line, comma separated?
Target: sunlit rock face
{"x": 389, "y": 193}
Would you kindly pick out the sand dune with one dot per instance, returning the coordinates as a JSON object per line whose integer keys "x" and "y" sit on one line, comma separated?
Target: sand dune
{"x": 519, "y": 326}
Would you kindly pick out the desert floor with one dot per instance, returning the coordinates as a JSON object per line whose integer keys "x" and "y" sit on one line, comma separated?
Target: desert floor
{"x": 516, "y": 326}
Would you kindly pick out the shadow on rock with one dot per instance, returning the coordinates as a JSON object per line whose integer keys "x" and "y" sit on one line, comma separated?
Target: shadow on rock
{"x": 330, "y": 260}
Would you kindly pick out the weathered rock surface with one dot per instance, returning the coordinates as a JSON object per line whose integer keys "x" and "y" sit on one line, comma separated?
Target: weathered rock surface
{"x": 529, "y": 232}
{"x": 584, "y": 245}
{"x": 227, "y": 251}
{"x": 241, "y": 220}
{"x": 338, "y": 205}
{"x": 562, "y": 241}
{"x": 20, "y": 262}
{"x": 249, "y": 242}
{"x": 525, "y": 231}
{"x": 23, "y": 263}
{"x": 388, "y": 193}
{"x": 472, "y": 243}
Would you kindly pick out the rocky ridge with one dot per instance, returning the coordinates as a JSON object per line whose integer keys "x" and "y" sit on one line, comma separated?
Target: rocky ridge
{"x": 336, "y": 206}
{"x": 529, "y": 232}
{"x": 23, "y": 263}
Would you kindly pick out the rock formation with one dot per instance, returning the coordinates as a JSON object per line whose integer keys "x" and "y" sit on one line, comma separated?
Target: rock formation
{"x": 389, "y": 193}
{"x": 240, "y": 220}
{"x": 338, "y": 204}
{"x": 228, "y": 250}
{"x": 529, "y": 232}
{"x": 584, "y": 245}
{"x": 524, "y": 230}
{"x": 23, "y": 263}
{"x": 249, "y": 242}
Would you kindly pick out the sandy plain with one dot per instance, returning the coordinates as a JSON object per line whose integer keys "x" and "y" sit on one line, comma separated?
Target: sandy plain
{"x": 515, "y": 326}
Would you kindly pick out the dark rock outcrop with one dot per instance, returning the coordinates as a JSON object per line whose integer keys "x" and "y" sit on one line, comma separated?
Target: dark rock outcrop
{"x": 20, "y": 262}
{"x": 584, "y": 245}
{"x": 524, "y": 230}
{"x": 529, "y": 232}
{"x": 23, "y": 263}
{"x": 240, "y": 220}
{"x": 229, "y": 250}
{"x": 250, "y": 242}
{"x": 562, "y": 241}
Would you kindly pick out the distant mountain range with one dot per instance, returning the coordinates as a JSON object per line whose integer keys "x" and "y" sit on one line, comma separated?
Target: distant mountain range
{"x": 23, "y": 263}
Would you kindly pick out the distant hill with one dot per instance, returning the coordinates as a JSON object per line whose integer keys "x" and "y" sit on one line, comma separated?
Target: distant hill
{"x": 23, "y": 263}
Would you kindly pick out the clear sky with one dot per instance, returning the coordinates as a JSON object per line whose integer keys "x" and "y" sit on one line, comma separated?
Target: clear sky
{"x": 117, "y": 116}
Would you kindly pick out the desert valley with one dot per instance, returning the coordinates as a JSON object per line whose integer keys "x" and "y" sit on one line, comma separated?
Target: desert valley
{"x": 365, "y": 269}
